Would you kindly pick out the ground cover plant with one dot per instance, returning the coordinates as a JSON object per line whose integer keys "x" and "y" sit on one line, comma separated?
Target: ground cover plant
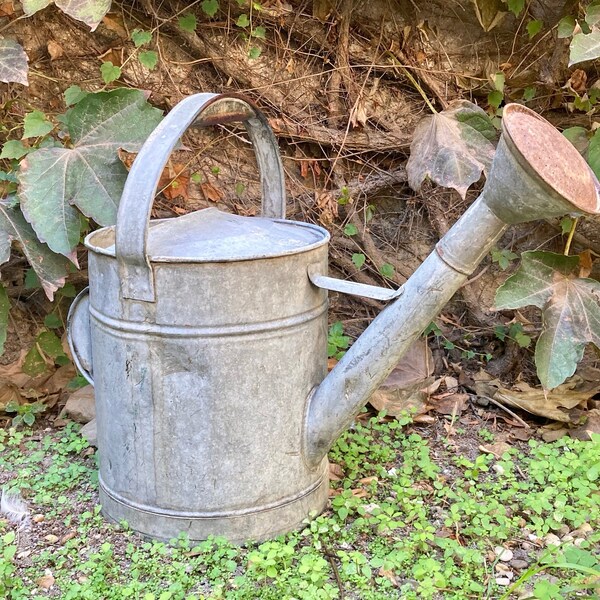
{"x": 415, "y": 513}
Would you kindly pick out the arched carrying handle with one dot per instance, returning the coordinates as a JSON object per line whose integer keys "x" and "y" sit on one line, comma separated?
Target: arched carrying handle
{"x": 137, "y": 281}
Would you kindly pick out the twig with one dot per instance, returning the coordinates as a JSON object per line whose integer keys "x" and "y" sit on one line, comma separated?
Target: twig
{"x": 510, "y": 412}
{"x": 336, "y": 573}
{"x": 571, "y": 234}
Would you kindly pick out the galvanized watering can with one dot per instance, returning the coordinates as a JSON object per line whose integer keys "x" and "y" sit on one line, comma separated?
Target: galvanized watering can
{"x": 205, "y": 336}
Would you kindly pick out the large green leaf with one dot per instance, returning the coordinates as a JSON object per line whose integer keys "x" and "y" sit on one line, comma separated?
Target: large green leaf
{"x": 584, "y": 46}
{"x": 13, "y": 62}
{"x": 452, "y": 147}
{"x": 49, "y": 267}
{"x": 88, "y": 11}
{"x": 89, "y": 176}
{"x": 570, "y": 310}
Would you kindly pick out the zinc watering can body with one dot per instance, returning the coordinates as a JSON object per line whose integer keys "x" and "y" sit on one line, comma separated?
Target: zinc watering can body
{"x": 205, "y": 336}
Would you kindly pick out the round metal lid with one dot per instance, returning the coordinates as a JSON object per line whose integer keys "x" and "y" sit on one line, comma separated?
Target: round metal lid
{"x": 552, "y": 156}
{"x": 213, "y": 236}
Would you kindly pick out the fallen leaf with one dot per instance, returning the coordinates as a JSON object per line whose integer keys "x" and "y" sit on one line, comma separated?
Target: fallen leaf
{"x": 586, "y": 261}
{"x": 7, "y": 8}
{"x": 211, "y": 192}
{"x": 489, "y": 12}
{"x": 113, "y": 55}
{"x": 404, "y": 389}
{"x": 592, "y": 425}
{"x": 336, "y": 472}
{"x": 563, "y": 403}
{"x": 115, "y": 23}
{"x": 327, "y": 205}
{"x": 55, "y": 50}
{"x": 578, "y": 81}
{"x": 358, "y": 114}
{"x": 450, "y": 404}
{"x": 497, "y": 448}
{"x": 551, "y": 435}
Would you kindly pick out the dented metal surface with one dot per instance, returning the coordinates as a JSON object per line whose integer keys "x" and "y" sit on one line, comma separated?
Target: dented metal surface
{"x": 208, "y": 334}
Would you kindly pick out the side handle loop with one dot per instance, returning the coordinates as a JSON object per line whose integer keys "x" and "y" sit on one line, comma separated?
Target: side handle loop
{"x": 135, "y": 271}
{"x": 79, "y": 334}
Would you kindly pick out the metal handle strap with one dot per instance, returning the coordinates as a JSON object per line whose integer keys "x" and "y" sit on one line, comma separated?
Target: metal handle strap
{"x": 137, "y": 281}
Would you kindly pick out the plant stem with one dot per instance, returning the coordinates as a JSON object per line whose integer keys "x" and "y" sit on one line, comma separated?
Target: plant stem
{"x": 414, "y": 82}
{"x": 570, "y": 238}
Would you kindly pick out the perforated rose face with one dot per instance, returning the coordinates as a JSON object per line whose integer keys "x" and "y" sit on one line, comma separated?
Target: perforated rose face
{"x": 552, "y": 156}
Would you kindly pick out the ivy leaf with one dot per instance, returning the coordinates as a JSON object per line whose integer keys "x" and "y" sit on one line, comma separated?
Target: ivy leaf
{"x": 74, "y": 94}
{"x": 578, "y": 136}
{"x": 452, "y": 147}
{"x": 566, "y": 27}
{"x": 534, "y": 27}
{"x": 210, "y": 7}
{"x": 13, "y": 62}
{"x": 35, "y": 124}
{"x": 109, "y": 72}
{"x": 516, "y": 6}
{"x": 593, "y": 153}
{"x": 88, "y": 176}
{"x": 358, "y": 258}
{"x": 4, "y": 307}
{"x": 89, "y": 12}
{"x": 350, "y": 229}
{"x": 140, "y": 37}
{"x": 188, "y": 22}
{"x": 570, "y": 310}
{"x": 14, "y": 149}
{"x": 50, "y": 268}
{"x": 584, "y": 46}
{"x": 387, "y": 270}
{"x": 243, "y": 20}
{"x": 254, "y": 53}
{"x": 592, "y": 14}
{"x": 148, "y": 59}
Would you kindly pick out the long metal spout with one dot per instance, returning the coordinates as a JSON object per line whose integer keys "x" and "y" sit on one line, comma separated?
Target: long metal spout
{"x": 536, "y": 173}
{"x": 377, "y": 351}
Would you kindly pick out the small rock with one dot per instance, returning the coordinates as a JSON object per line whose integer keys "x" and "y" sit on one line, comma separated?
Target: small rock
{"x": 564, "y": 530}
{"x": 39, "y": 518}
{"x": 51, "y": 538}
{"x": 552, "y": 540}
{"x": 567, "y": 538}
{"x": 527, "y": 546}
{"x": 81, "y": 405}
{"x": 498, "y": 468}
{"x": 47, "y": 581}
{"x": 519, "y": 564}
{"x": 503, "y": 554}
{"x": 582, "y": 531}
{"x": 89, "y": 433}
{"x": 24, "y": 554}
{"x": 579, "y": 541}
{"x": 504, "y": 581}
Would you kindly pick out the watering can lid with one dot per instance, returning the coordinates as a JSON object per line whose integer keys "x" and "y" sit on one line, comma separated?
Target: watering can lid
{"x": 211, "y": 235}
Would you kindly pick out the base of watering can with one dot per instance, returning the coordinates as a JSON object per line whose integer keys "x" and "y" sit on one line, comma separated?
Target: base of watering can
{"x": 239, "y": 526}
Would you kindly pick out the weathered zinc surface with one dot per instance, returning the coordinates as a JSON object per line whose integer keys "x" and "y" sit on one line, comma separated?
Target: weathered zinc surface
{"x": 206, "y": 335}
